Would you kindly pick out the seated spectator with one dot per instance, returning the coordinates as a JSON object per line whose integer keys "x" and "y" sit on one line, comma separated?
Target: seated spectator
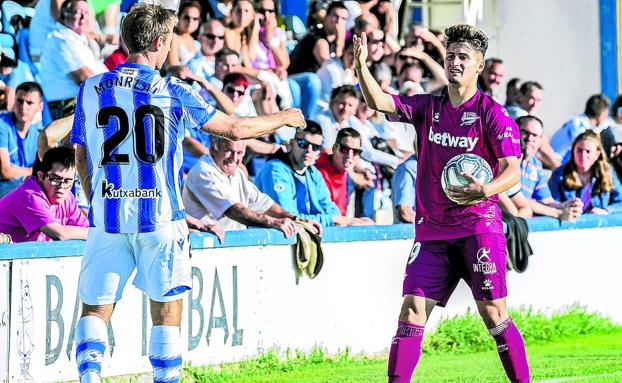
{"x": 117, "y": 57}
{"x": 46, "y": 209}
{"x": 336, "y": 167}
{"x": 411, "y": 63}
{"x": 533, "y": 180}
{"x": 294, "y": 183}
{"x": 270, "y": 54}
{"x": 184, "y": 47}
{"x": 427, "y": 41}
{"x": 320, "y": 44}
{"x": 262, "y": 97}
{"x": 611, "y": 138}
{"x": 13, "y": 72}
{"x": 218, "y": 192}
{"x": 491, "y": 77}
{"x": 19, "y": 132}
{"x": 403, "y": 191}
{"x": 514, "y": 202}
{"x": 242, "y": 34}
{"x": 588, "y": 176}
{"x": 47, "y": 12}
{"x": 512, "y": 91}
{"x": 528, "y": 100}
{"x": 212, "y": 38}
{"x": 596, "y": 112}
{"x": 337, "y": 71}
{"x": 343, "y": 106}
{"x": 67, "y": 60}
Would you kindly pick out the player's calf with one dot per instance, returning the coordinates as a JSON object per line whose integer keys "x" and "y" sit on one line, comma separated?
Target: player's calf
{"x": 91, "y": 334}
{"x": 511, "y": 349}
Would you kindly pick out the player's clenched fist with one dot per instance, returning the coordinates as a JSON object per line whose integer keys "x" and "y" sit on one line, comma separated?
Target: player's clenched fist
{"x": 294, "y": 118}
{"x": 360, "y": 50}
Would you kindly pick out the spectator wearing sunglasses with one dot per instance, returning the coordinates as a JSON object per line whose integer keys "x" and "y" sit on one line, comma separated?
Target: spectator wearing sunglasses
{"x": 294, "y": 183}
{"x": 184, "y": 47}
{"x": 47, "y": 208}
{"x": 212, "y": 39}
{"x": 336, "y": 167}
{"x": 220, "y": 193}
{"x": 19, "y": 132}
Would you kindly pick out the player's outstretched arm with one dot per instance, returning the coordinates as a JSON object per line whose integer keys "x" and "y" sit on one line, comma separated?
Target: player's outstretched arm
{"x": 375, "y": 97}
{"x": 241, "y": 128}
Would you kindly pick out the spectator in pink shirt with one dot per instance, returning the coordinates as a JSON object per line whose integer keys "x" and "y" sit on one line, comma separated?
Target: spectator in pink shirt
{"x": 43, "y": 208}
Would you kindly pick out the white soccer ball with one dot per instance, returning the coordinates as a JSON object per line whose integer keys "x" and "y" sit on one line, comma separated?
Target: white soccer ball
{"x": 465, "y": 163}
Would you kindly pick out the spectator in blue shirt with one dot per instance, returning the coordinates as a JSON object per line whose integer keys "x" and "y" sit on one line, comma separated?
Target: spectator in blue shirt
{"x": 403, "y": 191}
{"x": 13, "y": 72}
{"x": 533, "y": 180}
{"x": 292, "y": 181}
{"x": 18, "y": 136}
{"x": 589, "y": 177}
{"x": 596, "y": 112}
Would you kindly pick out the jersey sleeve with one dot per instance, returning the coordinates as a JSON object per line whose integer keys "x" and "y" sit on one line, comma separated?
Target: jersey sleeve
{"x": 502, "y": 133}
{"x": 4, "y": 135}
{"x": 78, "y": 130}
{"x": 196, "y": 112}
{"x": 541, "y": 191}
{"x": 408, "y": 108}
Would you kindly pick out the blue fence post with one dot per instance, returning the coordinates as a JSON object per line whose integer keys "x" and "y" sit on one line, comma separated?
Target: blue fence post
{"x": 608, "y": 48}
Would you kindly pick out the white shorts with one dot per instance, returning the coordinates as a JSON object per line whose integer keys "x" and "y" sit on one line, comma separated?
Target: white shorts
{"x": 162, "y": 260}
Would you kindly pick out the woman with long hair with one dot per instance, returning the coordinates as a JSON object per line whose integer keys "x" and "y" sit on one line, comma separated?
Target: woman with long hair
{"x": 242, "y": 35}
{"x": 588, "y": 176}
{"x": 184, "y": 47}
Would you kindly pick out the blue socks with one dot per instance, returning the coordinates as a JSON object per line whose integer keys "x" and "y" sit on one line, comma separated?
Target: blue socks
{"x": 91, "y": 335}
{"x": 165, "y": 354}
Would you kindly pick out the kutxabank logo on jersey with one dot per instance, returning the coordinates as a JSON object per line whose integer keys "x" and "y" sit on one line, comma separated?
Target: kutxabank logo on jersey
{"x": 109, "y": 191}
{"x": 484, "y": 262}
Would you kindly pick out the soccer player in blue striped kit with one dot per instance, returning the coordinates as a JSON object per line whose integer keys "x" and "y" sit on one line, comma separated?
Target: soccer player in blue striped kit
{"x": 129, "y": 126}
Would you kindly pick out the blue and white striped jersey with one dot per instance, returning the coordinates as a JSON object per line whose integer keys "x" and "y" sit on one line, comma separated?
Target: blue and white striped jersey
{"x": 131, "y": 122}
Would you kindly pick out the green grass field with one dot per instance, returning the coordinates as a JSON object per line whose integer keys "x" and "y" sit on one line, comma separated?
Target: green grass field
{"x": 597, "y": 358}
{"x": 568, "y": 346}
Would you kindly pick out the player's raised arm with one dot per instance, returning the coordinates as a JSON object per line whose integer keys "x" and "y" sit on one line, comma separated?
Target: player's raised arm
{"x": 375, "y": 97}
{"x": 241, "y": 128}
{"x": 52, "y": 134}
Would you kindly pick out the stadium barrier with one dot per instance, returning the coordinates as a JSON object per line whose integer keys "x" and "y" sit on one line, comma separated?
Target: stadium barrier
{"x": 247, "y": 296}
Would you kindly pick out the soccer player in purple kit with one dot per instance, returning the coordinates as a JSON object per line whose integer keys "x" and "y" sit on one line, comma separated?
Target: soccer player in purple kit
{"x": 461, "y": 240}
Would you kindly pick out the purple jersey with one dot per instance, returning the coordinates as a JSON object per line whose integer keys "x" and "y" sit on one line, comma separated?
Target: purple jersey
{"x": 480, "y": 126}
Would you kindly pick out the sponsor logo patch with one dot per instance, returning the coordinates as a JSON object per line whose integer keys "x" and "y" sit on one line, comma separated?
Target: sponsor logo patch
{"x": 468, "y": 118}
{"x": 484, "y": 263}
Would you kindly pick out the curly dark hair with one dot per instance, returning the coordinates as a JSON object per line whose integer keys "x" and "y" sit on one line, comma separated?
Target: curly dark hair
{"x": 467, "y": 34}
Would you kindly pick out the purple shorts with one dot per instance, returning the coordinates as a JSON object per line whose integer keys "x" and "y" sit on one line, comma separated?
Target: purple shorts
{"x": 435, "y": 267}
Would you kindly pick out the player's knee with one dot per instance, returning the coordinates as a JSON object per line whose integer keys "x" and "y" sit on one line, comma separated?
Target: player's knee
{"x": 413, "y": 311}
{"x": 166, "y": 313}
{"x": 103, "y": 312}
{"x": 492, "y": 313}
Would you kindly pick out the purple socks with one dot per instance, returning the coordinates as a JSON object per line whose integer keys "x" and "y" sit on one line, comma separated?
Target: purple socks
{"x": 511, "y": 351}
{"x": 405, "y": 352}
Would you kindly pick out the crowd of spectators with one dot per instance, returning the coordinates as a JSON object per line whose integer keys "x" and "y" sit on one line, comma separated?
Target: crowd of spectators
{"x": 349, "y": 164}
